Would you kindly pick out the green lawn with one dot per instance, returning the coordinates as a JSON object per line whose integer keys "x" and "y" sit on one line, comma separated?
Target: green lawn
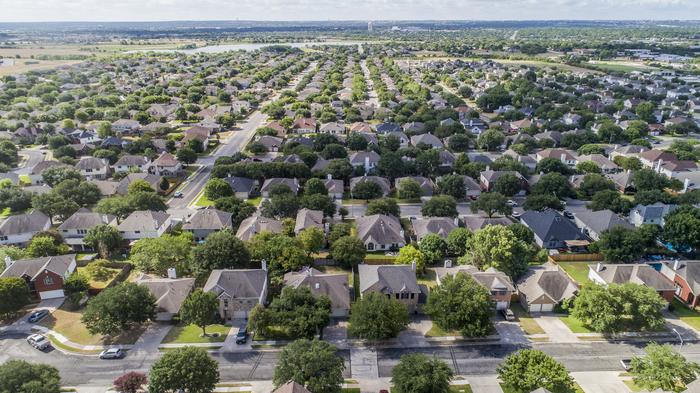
{"x": 350, "y": 390}
{"x": 254, "y": 201}
{"x": 436, "y": 331}
{"x": 577, "y": 270}
{"x": 575, "y": 325}
{"x": 632, "y": 386}
{"x": 5, "y": 212}
{"x": 193, "y": 334}
{"x": 67, "y": 323}
{"x": 203, "y": 201}
{"x": 527, "y": 323}
{"x": 460, "y": 388}
{"x": 691, "y": 317}
{"x": 509, "y": 389}
{"x": 427, "y": 278}
{"x": 275, "y": 333}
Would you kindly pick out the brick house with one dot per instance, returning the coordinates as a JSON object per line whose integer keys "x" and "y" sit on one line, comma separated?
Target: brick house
{"x": 686, "y": 280}
{"x": 238, "y": 290}
{"x": 45, "y": 276}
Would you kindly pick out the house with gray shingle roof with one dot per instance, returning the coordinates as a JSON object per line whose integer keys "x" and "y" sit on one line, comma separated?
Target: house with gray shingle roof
{"x": 238, "y": 291}
{"x": 686, "y": 277}
{"x": 335, "y": 286}
{"x": 637, "y": 273}
{"x": 396, "y": 281}
{"x": 594, "y": 223}
{"x": 18, "y": 229}
{"x": 205, "y": 221}
{"x": 382, "y": 182}
{"x": 144, "y": 224}
{"x": 441, "y": 226}
{"x": 427, "y": 139}
{"x": 293, "y": 185}
{"x": 127, "y": 163}
{"x": 75, "y": 227}
{"x": 426, "y": 185}
{"x": 545, "y": 286}
{"x": 170, "y": 294}
{"x": 307, "y": 218}
{"x": 380, "y": 232}
{"x": 44, "y": 276}
{"x": 93, "y": 168}
{"x": 499, "y": 285}
{"x": 255, "y": 224}
{"x": 242, "y": 186}
{"x": 551, "y": 229}
{"x": 650, "y": 214}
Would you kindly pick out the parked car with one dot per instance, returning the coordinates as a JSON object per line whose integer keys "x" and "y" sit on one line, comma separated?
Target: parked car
{"x": 112, "y": 353}
{"x": 37, "y": 316}
{"x": 38, "y": 341}
{"x": 242, "y": 335}
{"x": 177, "y": 195}
{"x": 511, "y": 203}
{"x": 626, "y": 363}
{"x": 568, "y": 215}
{"x": 508, "y": 314}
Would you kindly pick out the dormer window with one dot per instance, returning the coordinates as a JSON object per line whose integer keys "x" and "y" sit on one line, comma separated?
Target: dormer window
{"x": 48, "y": 280}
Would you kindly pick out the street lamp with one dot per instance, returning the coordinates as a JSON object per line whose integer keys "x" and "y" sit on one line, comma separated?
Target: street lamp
{"x": 679, "y": 336}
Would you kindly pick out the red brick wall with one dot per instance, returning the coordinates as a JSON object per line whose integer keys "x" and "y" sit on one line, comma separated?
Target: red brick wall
{"x": 685, "y": 289}
{"x": 668, "y": 295}
{"x": 42, "y": 287}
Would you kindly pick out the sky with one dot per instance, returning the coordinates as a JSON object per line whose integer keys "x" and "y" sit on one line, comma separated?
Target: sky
{"x": 305, "y": 10}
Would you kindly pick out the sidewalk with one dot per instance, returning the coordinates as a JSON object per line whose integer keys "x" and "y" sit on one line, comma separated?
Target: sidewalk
{"x": 79, "y": 347}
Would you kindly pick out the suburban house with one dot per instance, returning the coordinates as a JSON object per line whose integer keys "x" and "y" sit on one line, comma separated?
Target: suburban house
{"x": 335, "y": 188}
{"x": 75, "y": 227}
{"x": 291, "y": 387}
{"x": 426, "y": 185}
{"x": 152, "y": 180}
{"x": 382, "y": 182}
{"x": 271, "y": 143}
{"x": 205, "y": 221}
{"x": 293, "y": 185}
{"x": 652, "y": 158}
{"x": 304, "y": 125}
{"x": 594, "y": 223}
{"x": 441, "y": 226}
{"x": 551, "y": 229}
{"x": 242, "y": 186}
{"x": 126, "y": 126}
{"x": 545, "y": 286}
{"x": 427, "y": 140}
{"x": 19, "y": 229}
{"x": 143, "y": 224}
{"x": 637, "y": 273}
{"x": 335, "y": 286}
{"x": 128, "y": 163}
{"x": 380, "y": 232}
{"x": 238, "y": 290}
{"x": 566, "y": 156}
{"x": 307, "y": 218}
{"x": 166, "y": 165}
{"x": 499, "y": 285}
{"x": 686, "y": 279}
{"x": 170, "y": 293}
{"x": 474, "y": 223}
{"x": 197, "y": 133}
{"x": 93, "y": 168}
{"x": 489, "y": 177}
{"x": 394, "y": 281}
{"x": 364, "y": 159}
{"x": 45, "y": 276}
{"x": 602, "y": 162}
{"x": 650, "y": 214}
{"x": 255, "y": 224}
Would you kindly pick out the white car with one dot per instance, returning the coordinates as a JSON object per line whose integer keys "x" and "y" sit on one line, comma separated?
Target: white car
{"x": 511, "y": 203}
{"x": 112, "y": 353}
{"x": 38, "y": 341}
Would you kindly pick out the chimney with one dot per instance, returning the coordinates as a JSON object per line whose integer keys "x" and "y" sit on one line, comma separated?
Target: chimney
{"x": 686, "y": 184}
{"x": 676, "y": 264}
{"x": 402, "y": 233}
{"x": 599, "y": 267}
{"x": 366, "y": 164}
{"x": 563, "y": 157}
{"x": 456, "y": 221}
{"x": 329, "y": 177}
{"x": 172, "y": 273}
{"x": 8, "y": 261}
{"x": 310, "y": 271}
{"x": 413, "y": 265}
{"x": 317, "y": 285}
{"x": 448, "y": 263}
{"x": 263, "y": 264}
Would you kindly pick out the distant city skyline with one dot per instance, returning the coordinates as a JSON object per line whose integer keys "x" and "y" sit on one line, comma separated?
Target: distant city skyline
{"x": 318, "y": 10}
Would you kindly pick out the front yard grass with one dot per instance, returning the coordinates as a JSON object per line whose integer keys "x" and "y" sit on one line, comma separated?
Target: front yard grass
{"x": 203, "y": 201}
{"x": 274, "y": 333}
{"x": 466, "y": 388}
{"x": 575, "y": 325}
{"x": 632, "y": 386}
{"x": 526, "y": 321}
{"x": 436, "y": 331}
{"x": 427, "y": 278}
{"x": 254, "y": 201}
{"x": 190, "y": 334}
{"x": 577, "y": 270}
{"x": 691, "y": 317}
{"x": 67, "y": 323}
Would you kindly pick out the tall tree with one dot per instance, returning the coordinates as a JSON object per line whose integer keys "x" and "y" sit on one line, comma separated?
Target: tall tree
{"x": 376, "y": 317}
{"x": 119, "y": 308}
{"x": 131, "y": 382}
{"x": 18, "y": 376}
{"x": 189, "y": 369}
{"x": 663, "y": 368}
{"x": 348, "y": 251}
{"x": 529, "y": 369}
{"x": 221, "y": 250}
{"x": 491, "y": 203}
{"x": 103, "y": 238}
{"x": 461, "y": 303}
{"x": 200, "y": 309}
{"x": 418, "y": 373}
{"x": 312, "y": 363}
{"x": 14, "y": 294}
{"x": 497, "y": 246}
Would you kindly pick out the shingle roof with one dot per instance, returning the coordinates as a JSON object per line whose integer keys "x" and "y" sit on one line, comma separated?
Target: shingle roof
{"x": 170, "y": 293}
{"x": 441, "y": 226}
{"x": 256, "y": 224}
{"x": 380, "y": 229}
{"x": 639, "y": 273}
{"x": 243, "y": 283}
{"x": 335, "y": 286}
{"x": 24, "y": 223}
{"x": 547, "y": 280}
{"x": 31, "y": 267}
{"x": 211, "y": 219}
{"x": 551, "y": 225}
{"x": 307, "y": 218}
{"x": 240, "y": 184}
{"x": 144, "y": 220}
{"x": 291, "y": 387}
{"x": 601, "y": 220}
{"x": 85, "y": 219}
{"x": 388, "y": 278}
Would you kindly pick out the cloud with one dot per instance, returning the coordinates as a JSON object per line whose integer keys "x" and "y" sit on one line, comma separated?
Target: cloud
{"x": 111, "y": 10}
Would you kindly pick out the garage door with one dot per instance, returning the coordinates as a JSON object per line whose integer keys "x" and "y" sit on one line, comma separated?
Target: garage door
{"x": 51, "y": 294}
{"x": 501, "y": 305}
{"x": 535, "y": 307}
{"x": 240, "y": 314}
{"x": 547, "y": 307}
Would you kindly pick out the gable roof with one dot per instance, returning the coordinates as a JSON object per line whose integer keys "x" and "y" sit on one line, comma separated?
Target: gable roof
{"x": 59, "y": 264}
{"x": 144, "y": 220}
{"x": 170, "y": 293}
{"x": 34, "y": 221}
{"x": 388, "y": 278}
{"x": 380, "y": 229}
{"x": 639, "y": 273}
{"x": 211, "y": 219}
{"x": 335, "y": 286}
{"x": 237, "y": 284}
{"x": 550, "y": 225}
{"x": 602, "y": 220}
{"x": 307, "y": 218}
{"x": 256, "y": 224}
{"x": 441, "y": 226}
{"x": 547, "y": 280}
{"x": 85, "y": 219}
{"x": 688, "y": 271}
{"x": 291, "y": 387}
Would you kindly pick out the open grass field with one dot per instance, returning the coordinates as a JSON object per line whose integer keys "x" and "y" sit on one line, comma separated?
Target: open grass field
{"x": 620, "y": 66}
{"x": 189, "y": 334}
{"x": 25, "y": 65}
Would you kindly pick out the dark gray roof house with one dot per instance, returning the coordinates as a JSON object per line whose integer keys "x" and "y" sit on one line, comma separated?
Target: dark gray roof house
{"x": 335, "y": 286}
{"x": 19, "y": 228}
{"x": 594, "y": 223}
{"x": 381, "y": 181}
{"x": 170, "y": 294}
{"x": 396, "y": 281}
{"x": 307, "y": 218}
{"x": 545, "y": 286}
{"x": 205, "y": 221}
{"x": 380, "y": 232}
{"x": 242, "y": 186}
{"x": 293, "y": 185}
{"x": 425, "y": 184}
{"x": 441, "y": 226}
{"x": 551, "y": 229}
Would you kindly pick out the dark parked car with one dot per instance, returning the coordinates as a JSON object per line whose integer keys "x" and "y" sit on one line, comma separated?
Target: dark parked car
{"x": 242, "y": 335}
{"x": 37, "y": 316}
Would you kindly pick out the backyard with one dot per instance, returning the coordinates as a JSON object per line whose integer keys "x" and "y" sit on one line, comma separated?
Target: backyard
{"x": 577, "y": 270}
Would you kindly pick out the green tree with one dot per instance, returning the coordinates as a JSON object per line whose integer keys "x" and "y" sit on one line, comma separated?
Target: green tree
{"x": 280, "y": 206}
{"x": 217, "y": 188}
{"x": 433, "y": 248}
{"x": 186, "y": 155}
{"x": 409, "y": 189}
{"x": 418, "y": 373}
{"x": 648, "y": 179}
{"x": 508, "y": 184}
{"x": 315, "y": 186}
{"x": 189, "y": 369}
{"x": 529, "y": 369}
{"x": 611, "y": 200}
{"x": 452, "y": 185}
{"x": 387, "y": 206}
{"x": 320, "y": 202}
{"x": 588, "y": 167}
{"x": 552, "y": 165}
{"x": 297, "y": 310}
{"x": 314, "y": 364}
{"x": 367, "y": 190}
{"x": 157, "y": 255}
{"x": 491, "y": 203}
{"x": 619, "y": 308}
{"x": 377, "y": 317}
{"x": 620, "y": 244}
{"x": 593, "y": 183}
{"x": 348, "y": 251}
{"x": 497, "y": 246}
{"x": 682, "y": 228}
{"x": 457, "y": 241}
{"x": 55, "y": 205}
{"x": 240, "y": 210}
{"x": 490, "y": 139}
{"x": 104, "y": 238}
{"x": 542, "y": 201}
{"x": 46, "y": 246}
{"x": 139, "y": 185}
{"x": 200, "y": 309}
{"x": 663, "y": 368}
{"x": 554, "y": 184}
{"x": 282, "y": 253}
{"x": 409, "y": 254}
{"x": 119, "y": 308}
{"x": 440, "y": 206}
{"x": 18, "y": 376}
{"x": 461, "y": 303}
{"x": 221, "y": 250}
{"x": 313, "y": 239}
{"x": 55, "y": 175}
{"x": 76, "y": 286}
{"x": 14, "y": 294}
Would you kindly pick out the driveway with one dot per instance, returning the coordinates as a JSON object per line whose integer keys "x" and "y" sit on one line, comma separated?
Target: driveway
{"x": 511, "y": 333}
{"x": 600, "y": 382}
{"x": 336, "y": 331}
{"x": 23, "y": 325}
{"x": 484, "y": 384}
{"x": 557, "y": 331}
{"x": 414, "y": 335}
{"x": 152, "y": 337}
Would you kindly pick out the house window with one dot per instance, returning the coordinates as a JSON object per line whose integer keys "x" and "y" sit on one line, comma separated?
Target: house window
{"x": 404, "y": 296}
{"x": 225, "y": 304}
{"x": 397, "y": 295}
{"x": 81, "y": 231}
{"x": 88, "y": 170}
{"x": 137, "y": 231}
{"x": 413, "y": 295}
{"x": 370, "y": 246}
{"x": 48, "y": 280}
{"x": 3, "y": 238}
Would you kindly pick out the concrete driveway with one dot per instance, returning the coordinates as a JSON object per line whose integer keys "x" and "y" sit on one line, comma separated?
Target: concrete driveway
{"x": 557, "y": 331}
{"x": 600, "y": 382}
{"x": 484, "y": 384}
{"x": 23, "y": 325}
{"x": 152, "y": 337}
{"x": 511, "y": 333}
